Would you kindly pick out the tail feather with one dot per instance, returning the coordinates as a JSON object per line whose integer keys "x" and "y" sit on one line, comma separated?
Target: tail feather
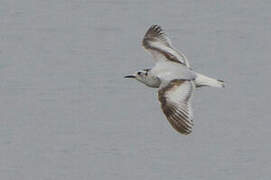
{"x": 203, "y": 80}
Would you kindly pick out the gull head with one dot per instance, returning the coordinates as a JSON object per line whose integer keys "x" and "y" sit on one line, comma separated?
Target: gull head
{"x": 139, "y": 75}
{"x": 146, "y": 78}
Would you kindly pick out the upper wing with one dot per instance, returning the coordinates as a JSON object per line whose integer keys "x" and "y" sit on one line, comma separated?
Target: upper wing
{"x": 159, "y": 45}
{"x": 175, "y": 103}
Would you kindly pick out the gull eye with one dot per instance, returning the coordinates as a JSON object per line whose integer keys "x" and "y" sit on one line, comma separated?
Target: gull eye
{"x": 138, "y": 73}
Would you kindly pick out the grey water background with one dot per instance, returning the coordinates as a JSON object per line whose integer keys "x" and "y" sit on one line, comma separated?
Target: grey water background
{"x": 68, "y": 113}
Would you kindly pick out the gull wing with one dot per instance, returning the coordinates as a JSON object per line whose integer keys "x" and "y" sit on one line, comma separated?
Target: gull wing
{"x": 175, "y": 102}
{"x": 159, "y": 45}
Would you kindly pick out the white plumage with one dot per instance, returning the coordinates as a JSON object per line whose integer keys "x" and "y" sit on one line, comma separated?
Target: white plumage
{"x": 174, "y": 78}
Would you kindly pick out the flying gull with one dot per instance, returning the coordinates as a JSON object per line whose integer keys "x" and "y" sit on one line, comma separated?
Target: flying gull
{"x": 173, "y": 77}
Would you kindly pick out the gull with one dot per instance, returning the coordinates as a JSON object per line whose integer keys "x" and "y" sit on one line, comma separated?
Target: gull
{"x": 173, "y": 77}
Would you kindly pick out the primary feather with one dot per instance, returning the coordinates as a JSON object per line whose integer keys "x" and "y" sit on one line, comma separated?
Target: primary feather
{"x": 175, "y": 102}
{"x": 159, "y": 45}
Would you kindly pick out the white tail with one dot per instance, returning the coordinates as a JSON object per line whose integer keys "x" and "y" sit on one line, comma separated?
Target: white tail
{"x": 202, "y": 80}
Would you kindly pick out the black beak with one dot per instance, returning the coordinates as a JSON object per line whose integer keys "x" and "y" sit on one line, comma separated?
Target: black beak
{"x": 129, "y": 76}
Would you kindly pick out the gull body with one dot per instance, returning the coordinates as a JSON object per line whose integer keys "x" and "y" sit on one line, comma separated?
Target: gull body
{"x": 174, "y": 77}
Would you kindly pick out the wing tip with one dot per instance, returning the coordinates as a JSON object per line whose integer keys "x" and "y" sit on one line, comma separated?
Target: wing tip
{"x": 155, "y": 29}
{"x": 182, "y": 129}
{"x": 187, "y": 133}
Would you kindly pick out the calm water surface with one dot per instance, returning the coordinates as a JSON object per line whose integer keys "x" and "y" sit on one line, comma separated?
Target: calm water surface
{"x": 67, "y": 113}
